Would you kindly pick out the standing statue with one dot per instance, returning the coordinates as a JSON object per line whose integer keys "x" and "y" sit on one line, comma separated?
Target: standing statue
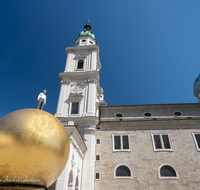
{"x": 41, "y": 100}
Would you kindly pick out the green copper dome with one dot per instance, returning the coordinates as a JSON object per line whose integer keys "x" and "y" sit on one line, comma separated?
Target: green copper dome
{"x": 196, "y": 84}
{"x": 87, "y": 31}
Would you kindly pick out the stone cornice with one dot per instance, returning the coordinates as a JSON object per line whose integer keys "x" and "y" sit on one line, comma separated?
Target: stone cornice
{"x": 81, "y": 48}
{"x": 80, "y": 74}
{"x": 150, "y": 119}
{"x": 85, "y": 120}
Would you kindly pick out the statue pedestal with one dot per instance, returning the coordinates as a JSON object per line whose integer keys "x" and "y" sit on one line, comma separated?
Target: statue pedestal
{"x": 21, "y": 187}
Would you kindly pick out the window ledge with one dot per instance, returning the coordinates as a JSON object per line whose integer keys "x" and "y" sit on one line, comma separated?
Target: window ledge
{"x": 163, "y": 150}
{"x": 79, "y": 69}
{"x": 122, "y": 150}
{"x": 123, "y": 177}
{"x": 168, "y": 178}
{"x": 74, "y": 115}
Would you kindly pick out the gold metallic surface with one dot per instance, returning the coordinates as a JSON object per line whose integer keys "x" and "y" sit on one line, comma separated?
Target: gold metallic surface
{"x": 34, "y": 148}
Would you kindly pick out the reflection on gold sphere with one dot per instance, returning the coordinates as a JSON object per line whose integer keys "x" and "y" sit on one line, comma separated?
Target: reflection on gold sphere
{"x": 34, "y": 148}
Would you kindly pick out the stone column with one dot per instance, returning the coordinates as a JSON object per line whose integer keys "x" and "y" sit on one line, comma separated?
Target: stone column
{"x": 63, "y": 88}
{"x": 89, "y": 160}
{"x": 91, "y": 97}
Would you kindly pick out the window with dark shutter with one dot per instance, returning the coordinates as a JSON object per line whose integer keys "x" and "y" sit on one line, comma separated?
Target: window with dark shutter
{"x": 125, "y": 142}
{"x": 157, "y": 142}
{"x": 167, "y": 171}
{"x": 196, "y": 137}
{"x": 117, "y": 142}
{"x": 122, "y": 171}
{"x": 166, "y": 142}
{"x": 98, "y": 141}
{"x": 75, "y": 106}
{"x": 121, "y": 142}
{"x": 161, "y": 142}
{"x": 97, "y": 175}
{"x": 80, "y": 64}
{"x": 97, "y": 157}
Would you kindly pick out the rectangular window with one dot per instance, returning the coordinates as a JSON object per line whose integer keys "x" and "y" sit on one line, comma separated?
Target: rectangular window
{"x": 97, "y": 175}
{"x": 98, "y": 141}
{"x": 74, "y": 108}
{"x": 98, "y": 157}
{"x": 121, "y": 142}
{"x": 196, "y": 137}
{"x": 161, "y": 142}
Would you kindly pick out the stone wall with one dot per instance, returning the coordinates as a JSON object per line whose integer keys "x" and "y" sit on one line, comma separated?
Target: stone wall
{"x": 142, "y": 160}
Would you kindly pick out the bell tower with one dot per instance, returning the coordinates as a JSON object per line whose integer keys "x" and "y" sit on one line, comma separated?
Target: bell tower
{"x": 81, "y": 95}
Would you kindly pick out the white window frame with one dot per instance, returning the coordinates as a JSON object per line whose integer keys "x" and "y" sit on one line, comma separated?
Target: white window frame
{"x": 161, "y": 177}
{"x": 123, "y": 177}
{"x": 99, "y": 157}
{"x": 195, "y": 141}
{"x": 161, "y": 140}
{"x": 121, "y": 143}
{"x": 99, "y": 176}
{"x": 71, "y": 108}
{"x": 100, "y": 141}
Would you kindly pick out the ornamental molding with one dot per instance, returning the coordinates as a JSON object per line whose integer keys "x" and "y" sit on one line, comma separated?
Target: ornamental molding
{"x": 91, "y": 80}
{"x": 65, "y": 82}
{"x": 80, "y": 56}
{"x": 90, "y": 130}
{"x": 77, "y": 88}
{"x": 72, "y": 141}
{"x": 72, "y": 164}
{"x": 82, "y": 48}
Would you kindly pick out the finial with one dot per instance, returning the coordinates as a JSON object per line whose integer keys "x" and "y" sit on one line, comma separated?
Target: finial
{"x": 88, "y": 21}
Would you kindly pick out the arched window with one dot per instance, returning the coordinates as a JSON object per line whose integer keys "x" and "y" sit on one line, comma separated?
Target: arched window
{"x": 80, "y": 64}
{"x": 167, "y": 171}
{"x": 122, "y": 171}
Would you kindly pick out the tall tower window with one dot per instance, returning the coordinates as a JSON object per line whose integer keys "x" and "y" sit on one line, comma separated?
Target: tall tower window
{"x": 74, "y": 108}
{"x": 80, "y": 64}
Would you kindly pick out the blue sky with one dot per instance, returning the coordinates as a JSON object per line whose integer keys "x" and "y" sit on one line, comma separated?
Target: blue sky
{"x": 149, "y": 49}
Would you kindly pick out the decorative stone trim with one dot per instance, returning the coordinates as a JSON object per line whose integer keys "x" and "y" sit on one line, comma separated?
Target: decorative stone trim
{"x": 91, "y": 80}
{"x": 65, "y": 82}
{"x": 72, "y": 141}
{"x": 90, "y": 130}
{"x": 73, "y": 49}
{"x": 80, "y": 56}
{"x": 77, "y": 88}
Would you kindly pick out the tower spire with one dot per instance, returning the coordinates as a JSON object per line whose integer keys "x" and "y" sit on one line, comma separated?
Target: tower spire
{"x": 86, "y": 37}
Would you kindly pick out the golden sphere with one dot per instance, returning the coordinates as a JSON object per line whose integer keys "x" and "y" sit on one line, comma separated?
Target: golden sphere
{"x": 34, "y": 148}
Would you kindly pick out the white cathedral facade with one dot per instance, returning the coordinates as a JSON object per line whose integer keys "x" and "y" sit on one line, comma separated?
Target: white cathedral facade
{"x": 122, "y": 147}
{"x": 79, "y": 100}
